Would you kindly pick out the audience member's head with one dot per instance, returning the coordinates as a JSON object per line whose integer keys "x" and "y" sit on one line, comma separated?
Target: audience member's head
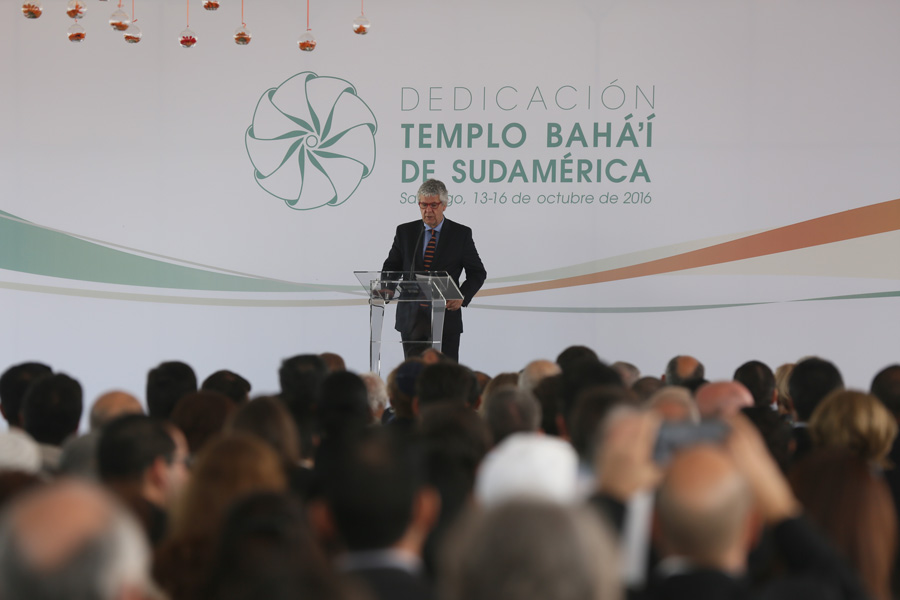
{"x": 674, "y": 403}
{"x": 13, "y": 384}
{"x": 333, "y": 362}
{"x": 722, "y": 399}
{"x": 446, "y": 382}
{"x": 377, "y": 393}
{"x": 498, "y": 382}
{"x": 535, "y": 372}
{"x": 432, "y": 356}
{"x": 301, "y": 379}
{"x": 230, "y": 384}
{"x": 51, "y": 409}
{"x": 15, "y": 483}
{"x": 344, "y": 405}
{"x": 531, "y": 551}
{"x": 375, "y": 495}
{"x": 628, "y": 372}
{"x": 775, "y": 431}
{"x": 703, "y": 506}
{"x": 137, "y": 455}
{"x": 528, "y": 466}
{"x": 70, "y": 540}
{"x": 852, "y": 505}
{"x": 856, "y": 422}
{"x": 886, "y": 387}
{"x": 580, "y": 377}
{"x": 200, "y": 416}
{"x": 266, "y": 551}
{"x": 592, "y": 406}
{"x": 166, "y": 385}
{"x": 111, "y": 405}
{"x": 401, "y": 385}
{"x": 511, "y": 410}
{"x": 549, "y": 395}
{"x": 645, "y": 387}
{"x": 782, "y": 378}
{"x": 811, "y": 380}
{"x": 574, "y": 355}
{"x": 268, "y": 419}
{"x": 682, "y": 369}
{"x": 759, "y": 380}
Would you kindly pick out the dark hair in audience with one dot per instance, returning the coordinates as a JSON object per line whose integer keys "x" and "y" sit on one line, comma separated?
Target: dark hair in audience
{"x": 13, "y": 384}
{"x": 852, "y": 505}
{"x": 582, "y": 376}
{"x": 268, "y": 419}
{"x": 370, "y": 489}
{"x": 592, "y": 406}
{"x": 15, "y": 483}
{"x": 811, "y": 380}
{"x": 401, "y": 385}
{"x": 166, "y": 385}
{"x": 229, "y": 383}
{"x": 129, "y": 445}
{"x": 51, "y": 409}
{"x": 200, "y": 416}
{"x": 549, "y": 395}
{"x": 574, "y": 355}
{"x": 646, "y": 386}
{"x": 499, "y": 381}
{"x": 510, "y": 410}
{"x": 333, "y": 362}
{"x": 447, "y": 382}
{"x": 775, "y": 431}
{"x": 267, "y": 552}
{"x": 301, "y": 379}
{"x": 759, "y": 380}
{"x": 886, "y": 387}
{"x": 344, "y": 406}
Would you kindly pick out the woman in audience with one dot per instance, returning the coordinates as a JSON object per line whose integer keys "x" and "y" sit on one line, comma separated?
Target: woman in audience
{"x": 854, "y": 421}
{"x": 226, "y": 468}
{"x": 852, "y": 506}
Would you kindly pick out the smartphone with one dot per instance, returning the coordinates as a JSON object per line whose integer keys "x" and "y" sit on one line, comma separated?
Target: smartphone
{"x": 674, "y": 435}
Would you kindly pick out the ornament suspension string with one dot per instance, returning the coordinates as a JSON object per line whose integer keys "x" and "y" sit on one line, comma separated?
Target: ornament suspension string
{"x": 189, "y": 14}
{"x": 362, "y": 7}
{"x": 133, "y": 20}
{"x": 307, "y": 15}
{"x": 242, "y": 14}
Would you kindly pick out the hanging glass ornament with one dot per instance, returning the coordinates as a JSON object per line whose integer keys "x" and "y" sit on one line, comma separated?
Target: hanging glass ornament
{"x": 76, "y": 9}
{"x": 307, "y": 42}
{"x": 32, "y": 9}
{"x": 361, "y": 25}
{"x": 242, "y": 36}
{"x": 76, "y": 33}
{"x": 119, "y": 20}
{"x": 133, "y": 35}
{"x": 211, "y": 4}
{"x": 187, "y": 39}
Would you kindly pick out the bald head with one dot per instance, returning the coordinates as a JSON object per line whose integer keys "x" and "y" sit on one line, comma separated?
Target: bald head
{"x": 111, "y": 405}
{"x": 70, "y": 540}
{"x": 683, "y": 368}
{"x": 535, "y": 371}
{"x": 722, "y": 399}
{"x": 702, "y": 508}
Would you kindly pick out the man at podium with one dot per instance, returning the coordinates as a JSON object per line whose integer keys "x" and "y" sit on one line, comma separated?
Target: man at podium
{"x": 434, "y": 243}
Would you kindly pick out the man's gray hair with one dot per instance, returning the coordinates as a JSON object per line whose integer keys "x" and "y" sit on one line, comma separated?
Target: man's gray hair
{"x": 376, "y": 391}
{"x": 109, "y": 562}
{"x": 530, "y": 550}
{"x": 433, "y": 187}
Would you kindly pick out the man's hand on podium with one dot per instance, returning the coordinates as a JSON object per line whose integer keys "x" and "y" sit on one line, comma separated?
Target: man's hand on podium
{"x": 454, "y": 304}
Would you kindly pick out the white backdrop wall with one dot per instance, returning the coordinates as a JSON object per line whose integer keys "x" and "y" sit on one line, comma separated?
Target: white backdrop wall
{"x": 751, "y": 148}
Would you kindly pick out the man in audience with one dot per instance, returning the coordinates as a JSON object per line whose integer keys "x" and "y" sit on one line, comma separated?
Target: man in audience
{"x": 683, "y": 369}
{"x": 376, "y": 502}
{"x": 574, "y": 355}
{"x": 112, "y": 405}
{"x": 446, "y": 382}
{"x": 628, "y": 372}
{"x": 759, "y": 380}
{"x": 334, "y": 362}
{"x": 811, "y": 380}
{"x": 70, "y": 540}
{"x": 674, "y": 403}
{"x": 13, "y": 384}
{"x": 51, "y": 412}
{"x": 230, "y": 384}
{"x": 510, "y": 410}
{"x": 141, "y": 463}
{"x": 722, "y": 399}
{"x": 535, "y": 372}
{"x": 166, "y": 385}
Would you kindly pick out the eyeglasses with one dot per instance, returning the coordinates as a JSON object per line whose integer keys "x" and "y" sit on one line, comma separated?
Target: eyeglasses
{"x": 431, "y": 205}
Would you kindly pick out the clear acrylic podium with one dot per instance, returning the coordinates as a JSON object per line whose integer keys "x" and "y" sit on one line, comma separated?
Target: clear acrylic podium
{"x": 410, "y": 290}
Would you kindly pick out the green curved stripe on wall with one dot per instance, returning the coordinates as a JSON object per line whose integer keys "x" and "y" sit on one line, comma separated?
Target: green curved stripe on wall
{"x": 29, "y": 248}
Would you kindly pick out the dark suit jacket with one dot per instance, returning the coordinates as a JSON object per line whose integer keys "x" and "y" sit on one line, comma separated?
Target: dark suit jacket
{"x": 394, "y": 584}
{"x": 455, "y": 253}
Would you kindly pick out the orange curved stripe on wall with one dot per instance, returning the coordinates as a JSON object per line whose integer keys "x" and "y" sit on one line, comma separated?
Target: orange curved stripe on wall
{"x": 837, "y": 227}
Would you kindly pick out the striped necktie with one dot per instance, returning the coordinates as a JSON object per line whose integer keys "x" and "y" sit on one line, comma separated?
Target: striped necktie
{"x": 429, "y": 250}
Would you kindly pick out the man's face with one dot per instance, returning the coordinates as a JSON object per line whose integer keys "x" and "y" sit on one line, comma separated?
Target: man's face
{"x": 178, "y": 471}
{"x": 432, "y": 210}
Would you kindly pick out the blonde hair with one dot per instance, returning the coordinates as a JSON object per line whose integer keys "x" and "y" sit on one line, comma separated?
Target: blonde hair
{"x": 855, "y": 421}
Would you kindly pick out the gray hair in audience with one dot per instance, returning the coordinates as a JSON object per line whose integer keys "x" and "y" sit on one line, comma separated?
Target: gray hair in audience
{"x": 535, "y": 372}
{"x": 674, "y": 403}
{"x": 104, "y": 559}
{"x": 376, "y": 390}
{"x": 529, "y": 550}
{"x": 511, "y": 410}
{"x": 628, "y": 372}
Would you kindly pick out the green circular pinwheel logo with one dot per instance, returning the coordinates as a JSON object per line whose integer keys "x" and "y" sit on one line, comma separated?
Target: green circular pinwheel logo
{"x": 312, "y": 141}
